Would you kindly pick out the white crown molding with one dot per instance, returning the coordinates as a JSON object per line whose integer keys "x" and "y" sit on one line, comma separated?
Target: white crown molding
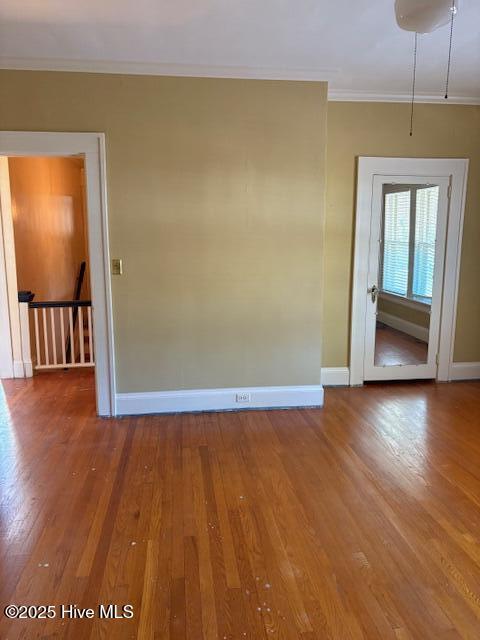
{"x": 218, "y": 399}
{"x": 166, "y": 69}
{"x": 341, "y": 95}
{"x": 214, "y": 71}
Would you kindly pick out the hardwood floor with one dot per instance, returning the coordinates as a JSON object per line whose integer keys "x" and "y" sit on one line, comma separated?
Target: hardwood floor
{"x": 361, "y": 520}
{"x": 395, "y": 347}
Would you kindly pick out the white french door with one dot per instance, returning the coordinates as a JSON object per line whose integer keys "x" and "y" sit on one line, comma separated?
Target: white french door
{"x": 406, "y": 259}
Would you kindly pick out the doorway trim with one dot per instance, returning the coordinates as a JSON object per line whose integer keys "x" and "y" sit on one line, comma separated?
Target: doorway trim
{"x": 92, "y": 147}
{"x": 368, "y": 167}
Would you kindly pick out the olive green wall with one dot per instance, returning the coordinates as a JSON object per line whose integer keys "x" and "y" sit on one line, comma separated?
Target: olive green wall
{"x": 404, "y": 312}
{"x": 216, "y": 192}
{"x": 381, "y": 129}
{"x": 216, "y": 198}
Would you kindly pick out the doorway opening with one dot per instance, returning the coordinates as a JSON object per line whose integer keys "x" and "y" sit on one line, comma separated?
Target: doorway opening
{"x": 49, "y": 226}
{"x": 55, "y": 299}
{"x": 407, "y": 255}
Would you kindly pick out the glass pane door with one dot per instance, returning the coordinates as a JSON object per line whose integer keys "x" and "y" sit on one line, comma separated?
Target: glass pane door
{"x": 406, "y": 269}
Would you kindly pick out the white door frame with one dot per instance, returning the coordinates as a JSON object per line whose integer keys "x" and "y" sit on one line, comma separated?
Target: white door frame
{"x": 92, "y": 147}
{"x": 368, "y": 167}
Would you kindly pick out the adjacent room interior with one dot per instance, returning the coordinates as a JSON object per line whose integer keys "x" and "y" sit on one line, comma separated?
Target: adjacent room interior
{"x": 45, "y": 219}
{"x": 240, "y": 320}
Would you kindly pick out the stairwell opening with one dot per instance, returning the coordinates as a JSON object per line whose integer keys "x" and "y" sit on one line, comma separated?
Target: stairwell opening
{"x": 50, "y": 241}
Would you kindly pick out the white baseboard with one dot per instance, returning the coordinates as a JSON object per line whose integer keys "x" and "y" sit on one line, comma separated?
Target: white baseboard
{"x": 218, "y": 399}
{"x": 18, "y": 370}
{"x": 335, "y": 376}
{"x": 411, "y": 329}
{"x": 28, "y": 366}
{"x": 465, "y": 371}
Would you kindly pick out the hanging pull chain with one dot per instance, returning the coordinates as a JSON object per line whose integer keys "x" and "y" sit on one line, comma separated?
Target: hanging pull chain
{"x": 414, "y": 77}
{"x": 454, "y": 11}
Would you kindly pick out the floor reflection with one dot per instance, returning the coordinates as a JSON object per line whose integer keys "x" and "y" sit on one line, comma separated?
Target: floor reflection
{"x": 11, "y": 500}
{"x": 394, "y": 347}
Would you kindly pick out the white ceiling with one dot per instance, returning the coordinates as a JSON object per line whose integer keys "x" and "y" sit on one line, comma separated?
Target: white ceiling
{"x": 354, "y": 44}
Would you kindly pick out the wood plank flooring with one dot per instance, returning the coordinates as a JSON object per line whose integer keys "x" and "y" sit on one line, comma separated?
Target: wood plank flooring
{"x": 358, "y": 521}
{"x": 393, "y": 347}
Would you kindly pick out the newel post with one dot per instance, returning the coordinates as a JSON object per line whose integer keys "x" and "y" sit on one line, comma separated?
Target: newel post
{"x": 24, "y": 297}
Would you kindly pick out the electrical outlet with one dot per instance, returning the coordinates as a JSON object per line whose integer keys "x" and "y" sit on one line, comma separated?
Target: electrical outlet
{"x": 244, "y": 396}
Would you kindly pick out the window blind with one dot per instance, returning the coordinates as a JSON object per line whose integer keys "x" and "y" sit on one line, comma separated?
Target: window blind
{"x": 425, "y": 237}
{"x": 396, "y": 235}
